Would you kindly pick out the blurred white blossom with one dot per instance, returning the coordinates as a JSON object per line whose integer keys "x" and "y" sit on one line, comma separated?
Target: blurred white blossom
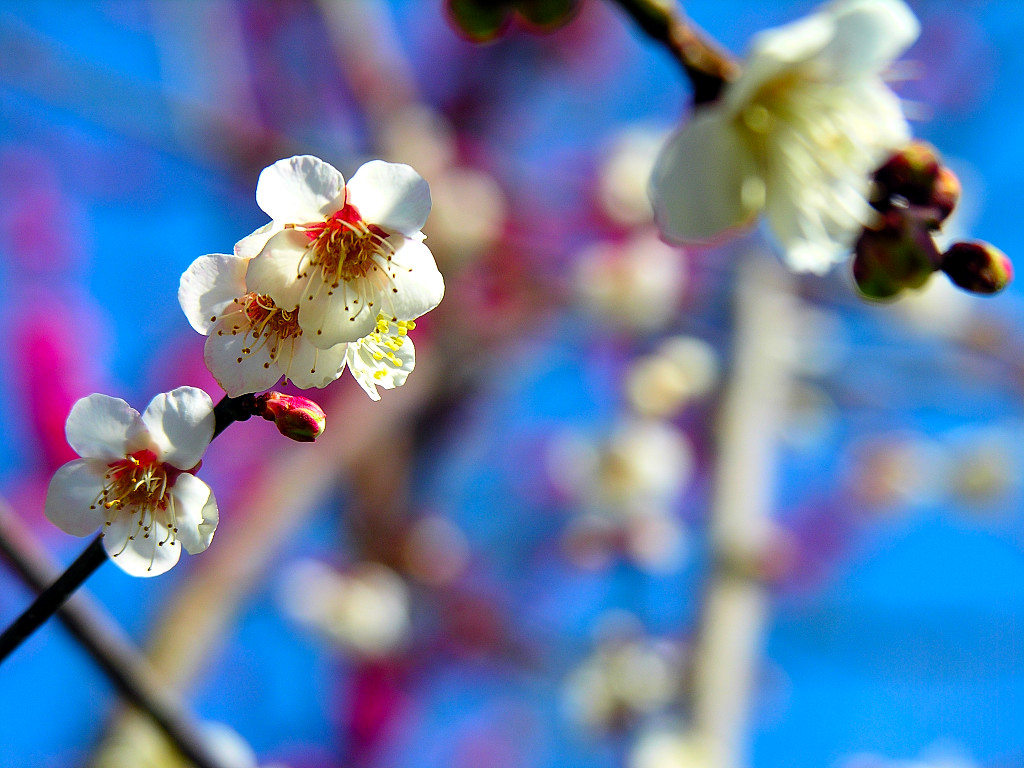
{"x": 627, "y": 487}
{"x": 796, "y": 136}
{"x": 365, "y": 610}
{"x": 628, "y": 676}
{"x": 667, "y": 747}
{"x": 679, "y": 370}
{"x": 636, "y": 284}
{"x": 626, "y": 172}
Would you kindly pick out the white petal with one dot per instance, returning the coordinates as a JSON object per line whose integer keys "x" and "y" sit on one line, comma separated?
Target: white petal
{"x": 104, "y": 427}
{"x": 71, "y": 497}
{"x": 372, "y": 371}
{"x": 818, "y": 170}
{"x": 250, "y": 245}
{"x": 345, "y": 316}
{"x": 275, "y": 272}
{"x": 706, "y": 180}
{"x": 138, "y": 552}
{"x": 415, "y": 286}
{"x": 868, "y": 35}
{"x": 181, "y": 424}
{"x": 195, "y": 513}
{"x": 311, "y": 366}
{"x": 208, "y": 286}
{"x": 391, "y": 195}
{"x": 236, "y": 370}
{"x": 300, "y": 190}
{"x": 775, "y": 52}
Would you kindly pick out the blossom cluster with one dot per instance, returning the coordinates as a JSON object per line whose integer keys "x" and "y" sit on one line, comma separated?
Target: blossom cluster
{"x": 337, "y": 278}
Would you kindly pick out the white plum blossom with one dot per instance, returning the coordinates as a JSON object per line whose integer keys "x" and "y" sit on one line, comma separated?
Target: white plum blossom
{"x": 135, "y": 479}
{"x": 252, "y": 342}
{"x": 796, "y": 136}
{"x": 343, "y": 254}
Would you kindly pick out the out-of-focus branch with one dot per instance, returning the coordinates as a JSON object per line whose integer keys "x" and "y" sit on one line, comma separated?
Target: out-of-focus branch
{"x": 706, "y": 64}
{"x": 730, "y": 632}
{"x": 124, "y": 666}
{"x": 363, "y": 36}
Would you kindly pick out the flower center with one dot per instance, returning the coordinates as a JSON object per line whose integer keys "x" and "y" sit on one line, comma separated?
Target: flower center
{"x": 345, "y": 248}
{"x": 137, "y": 481}
{"x": 139, "y": 484}
{"x": 267, "y": 319}
{"x": 269, "y": 325}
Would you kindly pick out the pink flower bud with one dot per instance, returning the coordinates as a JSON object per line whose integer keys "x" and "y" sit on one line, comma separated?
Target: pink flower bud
{"x": 978, "y": 267}
{"x": 297, "y": 418}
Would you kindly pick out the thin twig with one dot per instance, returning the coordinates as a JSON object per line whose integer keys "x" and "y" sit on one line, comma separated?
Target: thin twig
{"x": 52, "y": 597}
{"x": 123, "y": 665}
{"x": 707, "y": 65}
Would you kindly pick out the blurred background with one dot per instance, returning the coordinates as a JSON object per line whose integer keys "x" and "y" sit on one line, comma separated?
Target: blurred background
{"x": 507, "y": 562}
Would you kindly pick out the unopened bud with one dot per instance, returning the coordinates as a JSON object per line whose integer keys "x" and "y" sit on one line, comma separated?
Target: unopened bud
{"x": 901, "y": 254}
{"x": 945, "y": 195}
{"x": 978, "y": 267}
{"x": 910, "y": 173}
{"x": 297, "y": 418}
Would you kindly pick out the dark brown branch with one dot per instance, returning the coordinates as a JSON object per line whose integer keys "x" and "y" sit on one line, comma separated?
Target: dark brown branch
{"x": 708, "y": 66}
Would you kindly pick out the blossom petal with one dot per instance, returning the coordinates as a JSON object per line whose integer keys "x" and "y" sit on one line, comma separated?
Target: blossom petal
{"x": 195, "y": 513}
{"x": 275, "y": 272}
{"x": 372, "y": 369}
{"x": 391, "y": 195}
{"x": 311, "y": 366}
{"x": 706, "y": 180}
{"x": 867, "y": 36}
{"x": 139, "y": 552}
{"x": 104, "y": 427}
{"x": 208, "y": 286}
{"x": 774, "y": 52}
{"x": 300, "y": 190}
{"x": 181, "y": 424}
{"x": 239, "y": 365}
{"x": 250, "y": 245}
{"x": 342, "y": 317}
{"x": 416, "y": 286}
{"x": 71, "y": 497}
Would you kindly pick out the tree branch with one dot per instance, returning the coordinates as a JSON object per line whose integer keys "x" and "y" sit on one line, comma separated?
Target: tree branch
{"x": 123, "y": 665}
{"x": 708, "y": 66}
